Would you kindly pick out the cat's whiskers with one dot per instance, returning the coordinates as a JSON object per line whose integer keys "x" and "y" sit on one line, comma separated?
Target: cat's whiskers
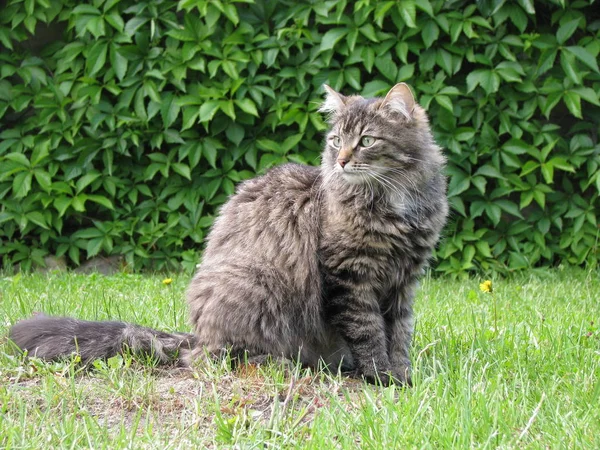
{"x": 368, "y": 182}
{"x": 413, "y": 205}
{"x": 411, "y": 202}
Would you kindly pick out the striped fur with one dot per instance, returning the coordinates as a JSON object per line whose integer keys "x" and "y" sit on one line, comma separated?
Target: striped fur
{"x": 322, "y": 263}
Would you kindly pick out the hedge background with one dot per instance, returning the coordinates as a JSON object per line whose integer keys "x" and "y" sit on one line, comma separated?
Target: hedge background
{"x": 124, "y": 124}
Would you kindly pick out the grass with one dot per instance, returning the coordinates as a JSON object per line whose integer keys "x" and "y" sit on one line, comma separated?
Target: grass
{"x": 516, "y": 368}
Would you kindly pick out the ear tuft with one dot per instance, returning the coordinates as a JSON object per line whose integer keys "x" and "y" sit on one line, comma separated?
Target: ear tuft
{"x": 400, "y": 99}
{"x": 334, "y": 101}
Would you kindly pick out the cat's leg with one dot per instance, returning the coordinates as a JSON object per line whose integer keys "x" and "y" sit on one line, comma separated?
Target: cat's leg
{"x": 400, "y": 327}
{"x": 354, "y": 312}
{"x": 247, "y": 312}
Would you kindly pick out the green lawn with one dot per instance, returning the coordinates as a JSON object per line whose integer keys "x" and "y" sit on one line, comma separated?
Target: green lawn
{"x": 516, "y": 368}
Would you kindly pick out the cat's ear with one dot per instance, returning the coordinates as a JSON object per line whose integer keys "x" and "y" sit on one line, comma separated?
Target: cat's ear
{"x": 400, "y": 99}
{"x": 334, "y": 101}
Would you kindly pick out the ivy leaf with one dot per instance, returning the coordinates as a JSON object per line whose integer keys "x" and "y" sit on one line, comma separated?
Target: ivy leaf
{"x": 101, "y": 200}
{"x": 566, "y": 30}
{"x": 208, "y": 110}
{"x": 332, "y": 37}
{"x": 408, "y": 12}
{"x": 248, "y": 106}
{"x": 430, "y": 32}
{"x": 169, "y": 111}
{"x": 118, "y": 62}
{"x": 387, "y": 67}
{"x": 96, "y": 58}
{"x": 584, "y": 56}
{"x": 182, "y": 169}
{"x": 22, "y": 184}
{"x": 527, "y": 5}
{"x": 573, "y": 102}
{"x": 134, "y": 24}
{"x": 37, "y": 218}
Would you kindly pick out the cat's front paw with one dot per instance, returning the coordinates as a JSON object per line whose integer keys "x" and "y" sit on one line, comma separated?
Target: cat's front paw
{"x": 402, "y": 377}
{"x": 398, "y": 377}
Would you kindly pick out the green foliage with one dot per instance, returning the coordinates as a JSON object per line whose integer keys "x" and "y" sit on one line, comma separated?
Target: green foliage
{"x": 125, "y": 124}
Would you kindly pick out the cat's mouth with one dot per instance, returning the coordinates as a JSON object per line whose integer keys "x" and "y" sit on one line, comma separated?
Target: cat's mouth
{"x": 352, "y": 174}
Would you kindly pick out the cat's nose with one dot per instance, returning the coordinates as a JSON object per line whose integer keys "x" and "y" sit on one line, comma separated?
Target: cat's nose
{"x": 343, "y": 161}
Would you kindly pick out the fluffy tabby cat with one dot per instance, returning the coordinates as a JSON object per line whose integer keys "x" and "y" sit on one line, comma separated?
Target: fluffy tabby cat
{"x": 314, "y": 264}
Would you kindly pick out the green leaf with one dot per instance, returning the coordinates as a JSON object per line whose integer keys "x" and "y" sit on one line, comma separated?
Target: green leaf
{"x": 101, "y": 200}
{"x": 18, "y": 158}
{"x": 517, "y": 261}
{"x": 529, "y": 167}
{"x": 584, "y": 56}
{"x": 37, "y": 218}
{"x": 483, "y": 248}
{"x": 408, "y": 12}
{"x": 86, "y": 9}
{"x": 548, "y": 172}
{"x": 95, "y": 25}
{"x": 270, "y": 145}
{"x": 86, "y": 180}
{"x": 573, "y": 102}
{"x": 43, "y": 178}
{"x": 375, "y": 88}
{"x": 22, "y": 184}
{"x": 182, "y": 169}
{"x": 210, "y": 153}
{"x": 488, "y": 170}
{"x": 207, "y": 110}
{"x": 352, "y": 77}
{"x": 494, "y": 212}
{"x": 476, "y": 78}
{"x": 588, "y": 94}
{"x": 190, "y": 116}
{"x": 248, "y": 106}
{"x": 567, "y": 62}
{"x": 235, "y": 133}
{"x": 94, "y": 246}
{"x": 430, "y": 33}
{"x": 445, "y": 102}
{"x": 96, "y": 58}
{"x": 169, "y": 111}
{"x": 368, "y": 31}
{"x": 61, "y": 204}
{"x": 118, "y": 62}
{"x": 291, "y": 141}
{"x": 516, "y": 146}
{"x": 40, "y": 152}
{"x": 227, "y": 107}
{"x": 562, "y": 164}
{"x": 134, "y": 24}
{"x": 115, "y": 21}
{"x": 566, "y": 30}
{"x": 509, "y": 207}
{"x": 527, "y": 5}
{"x": 231, "y": 13}
{"x": 387, "y": 67}
{"x": 332, "y": 37}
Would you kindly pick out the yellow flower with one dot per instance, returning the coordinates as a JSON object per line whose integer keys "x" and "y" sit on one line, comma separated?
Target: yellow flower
{"x": 486, "y": 286}
{"x": 167, "y": 281}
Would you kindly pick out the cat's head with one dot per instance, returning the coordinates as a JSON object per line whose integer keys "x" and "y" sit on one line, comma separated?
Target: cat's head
{"x": 378, "y": 141}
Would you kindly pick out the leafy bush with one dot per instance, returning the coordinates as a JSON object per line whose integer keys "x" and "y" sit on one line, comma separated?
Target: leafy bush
{"x": 125, "y": 124}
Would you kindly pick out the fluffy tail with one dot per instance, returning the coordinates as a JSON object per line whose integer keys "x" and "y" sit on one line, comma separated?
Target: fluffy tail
{"x": 54, "y": 338}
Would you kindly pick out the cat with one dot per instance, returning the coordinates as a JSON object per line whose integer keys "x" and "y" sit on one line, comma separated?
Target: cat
{"x": 314, "y": 264}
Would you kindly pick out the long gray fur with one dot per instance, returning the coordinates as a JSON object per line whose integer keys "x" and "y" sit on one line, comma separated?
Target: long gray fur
{"x": 53, "y": 338}
{"x": 316, "y": 264}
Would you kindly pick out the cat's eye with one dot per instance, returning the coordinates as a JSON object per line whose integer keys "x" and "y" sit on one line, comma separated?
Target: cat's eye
{"x": 336, "y": 141}
{"x": 367, "y": 141}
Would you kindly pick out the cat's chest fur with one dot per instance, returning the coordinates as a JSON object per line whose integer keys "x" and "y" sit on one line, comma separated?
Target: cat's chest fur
{"x": 370, "y": 243}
